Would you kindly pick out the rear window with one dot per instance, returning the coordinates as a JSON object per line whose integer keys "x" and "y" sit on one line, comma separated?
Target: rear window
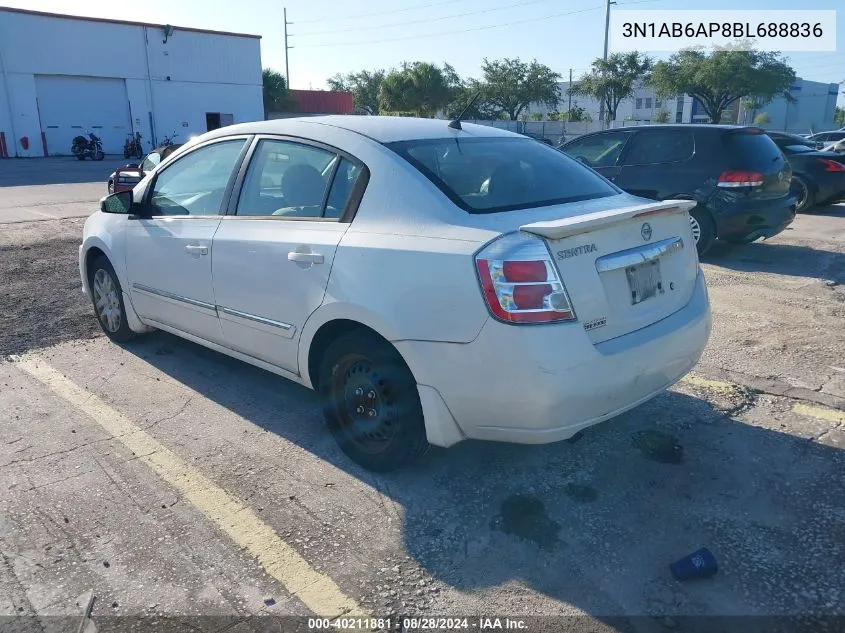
{"x": 487, "y": 175}
{"x": 752, "y": 151}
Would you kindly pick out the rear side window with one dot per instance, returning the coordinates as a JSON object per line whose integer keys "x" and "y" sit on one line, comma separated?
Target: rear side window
{"x": 487, "y": 175}
{"x": 751, "y": 151}
{"x": 665, "y": 146}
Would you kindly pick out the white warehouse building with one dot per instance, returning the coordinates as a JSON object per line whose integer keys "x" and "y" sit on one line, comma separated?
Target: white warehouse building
{"x": 62, "y": 76}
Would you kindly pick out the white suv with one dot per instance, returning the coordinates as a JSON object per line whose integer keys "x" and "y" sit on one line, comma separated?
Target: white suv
{"x": 433, "y": 282}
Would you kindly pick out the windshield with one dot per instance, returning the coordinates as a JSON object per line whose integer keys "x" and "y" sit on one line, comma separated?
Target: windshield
{"x": 487, "y": 175}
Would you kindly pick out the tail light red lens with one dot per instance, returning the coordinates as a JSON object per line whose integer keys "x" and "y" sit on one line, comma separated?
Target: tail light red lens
{"x": 525, "y": 271}
{"x": 520, "y": 283}
{"x": 831, "y": 165}
{"x": 740, "y": 179}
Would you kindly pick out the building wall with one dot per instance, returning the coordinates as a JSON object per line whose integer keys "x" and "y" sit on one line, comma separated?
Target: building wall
{"x": 169, "y": 86}
{"x": 812, "y": 109}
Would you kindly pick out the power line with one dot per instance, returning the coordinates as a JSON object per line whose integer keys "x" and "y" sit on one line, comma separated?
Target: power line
{"x": 379, "y": 13}
{"x": 477, "y": 28}
{"x": 425, "y": 20}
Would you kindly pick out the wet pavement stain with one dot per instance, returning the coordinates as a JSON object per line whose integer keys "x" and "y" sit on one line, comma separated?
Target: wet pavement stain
{"x": 659, "y": 446}
{"x": 525, "y": 517}
{"x": 583, "y": 494}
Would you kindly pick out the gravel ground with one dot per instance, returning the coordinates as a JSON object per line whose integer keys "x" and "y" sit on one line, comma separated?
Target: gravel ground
{"x": 42, "y": 302}
{"x": 749, "y": 469}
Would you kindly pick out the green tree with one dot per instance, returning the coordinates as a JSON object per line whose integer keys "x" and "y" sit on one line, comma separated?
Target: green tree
{"x": 363, "y": 85}
{"x": 554, "y": 115}
{"x": 419, "y": 87}
{"x": 722, "y": 77}
{"x": 661, "y": 117}
{"x": 277, "y": 98}
{"x": 839, "y": 116}
{"x": 613, "y": 80}
{"x": 576, "y": 113}
{"x": 509, "y": 85}
{"x": 762, "y": 119}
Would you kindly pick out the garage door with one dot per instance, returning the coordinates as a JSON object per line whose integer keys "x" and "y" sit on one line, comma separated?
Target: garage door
{"x": 70, "y": 105}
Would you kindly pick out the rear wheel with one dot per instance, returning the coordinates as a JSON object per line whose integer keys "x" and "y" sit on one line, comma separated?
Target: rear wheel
{"x": 99, "y": 155}
{"x": 803, "y": 192}
{"x": 371, "y": 403}
{"x": 107, "y": 297}
{"x": 703, "y": 230}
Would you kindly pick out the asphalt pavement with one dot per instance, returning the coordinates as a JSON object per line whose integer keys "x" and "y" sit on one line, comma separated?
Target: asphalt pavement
{"x": 170, "y": 480}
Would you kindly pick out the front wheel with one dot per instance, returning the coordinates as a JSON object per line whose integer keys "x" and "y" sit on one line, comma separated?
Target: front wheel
{"x": 371, "y": 403}
{"x": 703, "y": 230}
{"x": 107, "y": 297}
{"x": 99, "y": 155}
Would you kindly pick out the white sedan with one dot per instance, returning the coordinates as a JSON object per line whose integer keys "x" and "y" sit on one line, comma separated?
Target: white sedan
{"x": 433, "y": 282}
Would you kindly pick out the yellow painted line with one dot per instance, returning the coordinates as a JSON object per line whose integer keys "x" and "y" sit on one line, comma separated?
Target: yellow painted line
{"x": 820, "y": 413}
{"x": 233, "y": 517}
{"x": 694, "y": 380}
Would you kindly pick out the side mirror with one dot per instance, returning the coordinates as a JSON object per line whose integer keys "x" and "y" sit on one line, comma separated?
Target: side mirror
{"x": 120, "y": 203}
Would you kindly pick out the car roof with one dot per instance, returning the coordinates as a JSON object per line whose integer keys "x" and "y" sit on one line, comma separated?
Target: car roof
{"x": 383, "y": 129}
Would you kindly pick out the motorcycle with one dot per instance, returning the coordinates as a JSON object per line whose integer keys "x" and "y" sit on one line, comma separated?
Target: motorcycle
{"x": 169, "y": 140}
{"x": 133, "y": 147}
{"x": 90, "y": 147}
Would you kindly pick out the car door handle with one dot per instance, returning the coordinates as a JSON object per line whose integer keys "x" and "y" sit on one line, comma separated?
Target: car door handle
{"x": 196, "y": 249}
{"x": 306, "y": 258}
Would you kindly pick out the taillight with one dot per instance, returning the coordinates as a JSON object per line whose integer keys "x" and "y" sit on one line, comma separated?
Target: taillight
{"x": 520, "y": 283}
{"x": 740, "y": 179}
{"x": 831, "y": 165}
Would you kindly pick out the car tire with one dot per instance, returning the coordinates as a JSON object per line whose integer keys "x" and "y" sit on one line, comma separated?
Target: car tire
{"x": 371, "y": 403}
{"x": 703, "y": 230}
{"x": 111, "y": 186}
{"x": 99, "y": 155}
{"x": 803, "y": 190}
{"x": 80, "y": 156}
{"x": 107, "y": 297}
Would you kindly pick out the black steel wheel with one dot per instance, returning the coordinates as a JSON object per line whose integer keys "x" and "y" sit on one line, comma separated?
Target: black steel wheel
{"x": 371, "y": 402}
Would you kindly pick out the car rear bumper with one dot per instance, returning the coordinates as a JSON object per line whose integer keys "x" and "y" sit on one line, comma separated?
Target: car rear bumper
{"x": 540, "y": 384}
{"x": 751, "y": 220}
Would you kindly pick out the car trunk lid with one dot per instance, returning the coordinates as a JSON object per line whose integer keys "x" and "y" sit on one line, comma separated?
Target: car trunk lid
{"x": 623, "y": 268}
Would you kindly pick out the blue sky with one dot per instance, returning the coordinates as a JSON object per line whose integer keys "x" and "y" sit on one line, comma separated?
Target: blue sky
{"x": 330, "y": 36}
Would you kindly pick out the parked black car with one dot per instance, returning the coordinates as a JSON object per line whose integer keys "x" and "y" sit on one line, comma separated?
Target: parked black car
{"x": 818, "y": 177}
{"x": 738, "y": 176}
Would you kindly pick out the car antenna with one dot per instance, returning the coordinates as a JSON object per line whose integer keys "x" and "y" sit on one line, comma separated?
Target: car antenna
{"x": 455, "y": 124}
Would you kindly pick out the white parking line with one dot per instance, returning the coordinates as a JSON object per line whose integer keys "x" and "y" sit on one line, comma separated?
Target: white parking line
{"x": 233, "y": 517}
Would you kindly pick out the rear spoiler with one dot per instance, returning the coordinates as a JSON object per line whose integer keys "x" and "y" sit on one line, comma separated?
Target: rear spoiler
{"x": 565, "y": 227}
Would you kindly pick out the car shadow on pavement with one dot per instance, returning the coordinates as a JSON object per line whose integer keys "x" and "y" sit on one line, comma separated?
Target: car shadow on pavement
{"x": 781, "y": 259}
{"x": 593, "y": 522}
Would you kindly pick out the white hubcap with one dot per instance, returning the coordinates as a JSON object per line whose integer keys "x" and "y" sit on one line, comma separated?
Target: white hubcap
{"x": 106, "y": 300}
{"x": 696, "y": 229}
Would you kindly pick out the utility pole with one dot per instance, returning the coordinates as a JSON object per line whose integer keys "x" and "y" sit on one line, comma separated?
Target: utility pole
{"x": 606, "y": 39}
{"x": 569, "y": 109}
{"x": 287, "y": 48}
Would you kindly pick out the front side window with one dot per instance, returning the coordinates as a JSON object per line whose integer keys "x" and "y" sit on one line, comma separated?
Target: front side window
{"x": 670, "y": 146}
{"x": 291, "y": 179}
{"x": 195, "y": 183}
{"x": 600, "y": 150}
{"x": 486, "y": 175}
